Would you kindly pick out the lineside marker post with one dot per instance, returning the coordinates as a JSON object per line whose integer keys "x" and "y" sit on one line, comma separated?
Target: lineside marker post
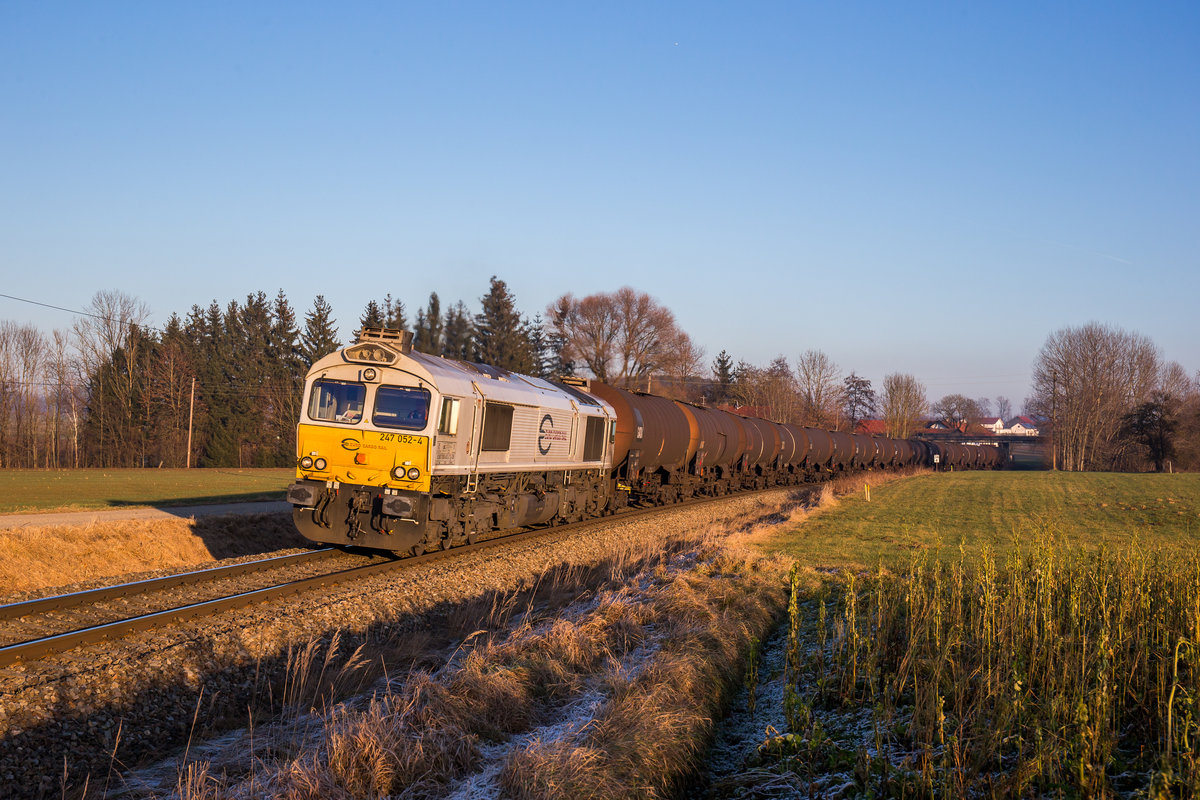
{"x": 868, "y": 492}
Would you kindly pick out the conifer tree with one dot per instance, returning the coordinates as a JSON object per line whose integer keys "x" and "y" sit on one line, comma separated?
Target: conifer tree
{"x": 501, "y": 339}
{"x": 428, "y": 335}
{"x": 723, "y": 377}
{"x": 285, "y": 384}
{"x": 319, "y": 338}
{"x": 458, "y": 335}
{"x": 372, "y": 316}
{"x": 393, "y": 314}
{"x": 547, "y": 350}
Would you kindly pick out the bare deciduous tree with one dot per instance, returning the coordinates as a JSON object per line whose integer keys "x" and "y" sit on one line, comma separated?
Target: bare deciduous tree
{"x": 23, "y": 352}
{"x": 819, "y": 383}
{"x": 622, "y": 337}
{"x": 1003, "y": 408}
{"x": 903, "y": 404}
{"x": 957, "y": 409}
{"x": 1085, "y": 380}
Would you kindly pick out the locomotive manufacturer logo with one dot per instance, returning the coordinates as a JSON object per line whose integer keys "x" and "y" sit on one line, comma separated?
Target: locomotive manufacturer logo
{"x": 548, "y": 435}
{"x": 350, "y": 444}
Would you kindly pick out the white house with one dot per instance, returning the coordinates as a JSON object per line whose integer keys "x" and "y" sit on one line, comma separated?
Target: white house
{"x": 1021, "y": 426}
{"x": 993, "y": 424}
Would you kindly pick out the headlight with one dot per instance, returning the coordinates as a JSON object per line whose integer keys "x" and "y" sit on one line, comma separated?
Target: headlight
{"x": 320, "y": 463}
{"x": 413, "y": 473}
{"x": 306, "y": 463}
{"x": 398, "y": 473}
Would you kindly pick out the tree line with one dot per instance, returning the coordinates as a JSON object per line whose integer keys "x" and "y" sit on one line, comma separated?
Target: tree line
{"x": 1111, "y": 402}
{"x": 221, "y": 385}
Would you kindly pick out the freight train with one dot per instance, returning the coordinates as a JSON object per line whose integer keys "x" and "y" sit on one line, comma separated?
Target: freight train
{"x": 402, "y": 451}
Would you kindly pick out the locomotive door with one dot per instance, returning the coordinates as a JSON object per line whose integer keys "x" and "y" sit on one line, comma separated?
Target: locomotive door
{"x": 474, "y": 444}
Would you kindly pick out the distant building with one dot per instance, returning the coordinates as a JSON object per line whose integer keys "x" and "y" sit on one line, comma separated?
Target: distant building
{"x": 1021, "y": 426}
{"x": 993, "y": 424}
{"x": 871, "y": 427}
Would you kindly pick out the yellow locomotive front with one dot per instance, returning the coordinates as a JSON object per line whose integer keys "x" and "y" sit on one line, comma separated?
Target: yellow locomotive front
{"x": 363, "y": 447}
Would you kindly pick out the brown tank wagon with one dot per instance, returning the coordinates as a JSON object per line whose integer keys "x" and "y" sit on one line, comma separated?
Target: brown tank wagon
{"x": 820, "y": 451}
{"x": 843, "y": 450}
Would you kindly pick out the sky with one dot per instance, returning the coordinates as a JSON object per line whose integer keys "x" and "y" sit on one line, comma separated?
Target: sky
{"x": 929, "y": 188}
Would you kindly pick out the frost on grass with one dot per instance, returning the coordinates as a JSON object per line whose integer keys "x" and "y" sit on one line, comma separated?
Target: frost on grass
{"x": 607, "y": 695}
{"x": 1053, "y": 672}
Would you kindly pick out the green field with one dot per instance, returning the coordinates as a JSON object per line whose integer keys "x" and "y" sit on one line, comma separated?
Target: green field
{"x": 1001, "y": 510}
{"x": 23, "y": 490}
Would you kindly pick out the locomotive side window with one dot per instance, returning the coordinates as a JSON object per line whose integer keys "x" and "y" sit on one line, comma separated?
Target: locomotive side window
{"x": 497, "y": 427}
{"x": 401, "y": 407}
{"x": 337, "y": 401}
{"x": 593, "y": 439}
{"x": 448, "y": 422}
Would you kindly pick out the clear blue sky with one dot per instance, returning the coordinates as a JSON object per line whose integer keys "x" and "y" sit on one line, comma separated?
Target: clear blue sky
{"x": 926, "y": 188}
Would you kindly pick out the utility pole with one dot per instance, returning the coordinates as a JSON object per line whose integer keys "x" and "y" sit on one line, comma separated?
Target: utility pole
{"x": 191, "y": 410}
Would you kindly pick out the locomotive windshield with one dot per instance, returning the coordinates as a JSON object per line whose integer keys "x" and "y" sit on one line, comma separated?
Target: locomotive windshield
{"x": 401, "y": 407}
{"x": 337, "y": 401}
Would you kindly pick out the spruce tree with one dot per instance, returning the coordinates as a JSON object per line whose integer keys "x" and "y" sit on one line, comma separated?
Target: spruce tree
{"x": 372, "y": 316}
{"x": 547, "y": 349}
{"x": 501, "y": 339}
{"x": 285, "y": 383}
{"x": 428, "y": 335}
{"x": 858, "y": 398}
{"x": 723, "y": 376}
{"x": 420, "y": 332}
{"x": 393, "y": 314}
{"x": 458, "y": 335}
{"x": 319, "y": 338}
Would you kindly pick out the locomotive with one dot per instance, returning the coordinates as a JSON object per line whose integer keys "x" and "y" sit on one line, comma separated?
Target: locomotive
{"x": 403, "y": 451}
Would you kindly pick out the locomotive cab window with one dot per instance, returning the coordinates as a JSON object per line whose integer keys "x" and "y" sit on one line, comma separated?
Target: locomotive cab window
{"x": 497, "y": 427}
{"x": 401, "y": 407}
{"x": 337, "y": 401}
{"x": 448, "y": 422}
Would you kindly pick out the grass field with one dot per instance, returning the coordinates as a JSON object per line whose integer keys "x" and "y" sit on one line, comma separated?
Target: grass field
{"x": 66, "y": 490}
{"x": 989, "y": 635}
{"x": 999, "y": 510}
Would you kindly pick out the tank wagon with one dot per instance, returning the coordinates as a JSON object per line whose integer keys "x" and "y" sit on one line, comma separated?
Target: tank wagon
{"x": 402, "y": 451}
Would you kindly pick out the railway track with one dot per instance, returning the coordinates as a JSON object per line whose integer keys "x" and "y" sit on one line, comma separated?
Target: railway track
{"x": 36, "y": 629}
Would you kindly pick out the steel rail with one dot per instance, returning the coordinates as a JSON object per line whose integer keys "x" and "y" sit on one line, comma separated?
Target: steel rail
{"x": 59, "y": 643}
{"x": 62, "y": 642}
{"x": 104, "y": 593}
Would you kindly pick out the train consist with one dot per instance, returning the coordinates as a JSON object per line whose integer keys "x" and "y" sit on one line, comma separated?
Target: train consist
{"x": 402, "y": 451}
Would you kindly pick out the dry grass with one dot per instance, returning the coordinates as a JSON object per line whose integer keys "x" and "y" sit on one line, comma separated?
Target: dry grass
{"x": 645, "y": 740}
{"x": 60, "y": 555}
{"x": 603, "y": 681}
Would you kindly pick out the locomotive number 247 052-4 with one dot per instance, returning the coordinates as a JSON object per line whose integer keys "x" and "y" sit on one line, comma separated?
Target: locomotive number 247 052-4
{"x": 401, "y": 438}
